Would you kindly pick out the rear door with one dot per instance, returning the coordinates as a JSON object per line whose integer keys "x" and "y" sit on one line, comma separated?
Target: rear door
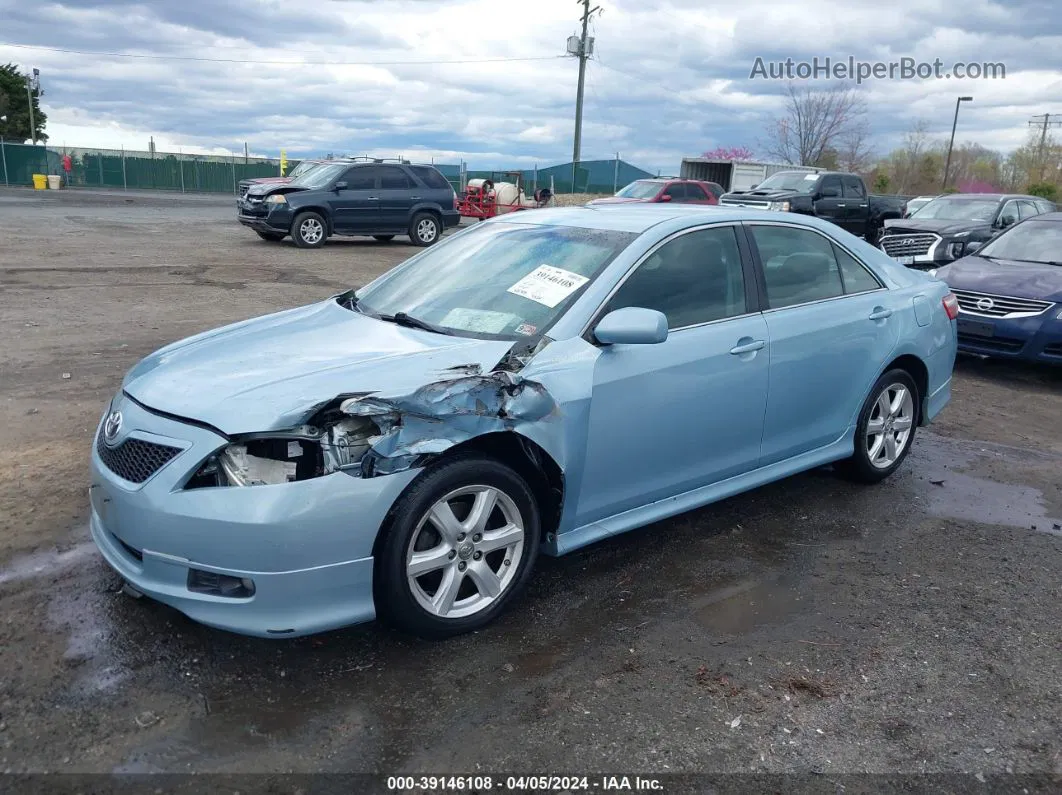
{"x": 830, "y": 204}
{"x": 857, "y": 205}
{"x": 356, "y": 205}
{"x": 677, "y": 192}
{"x": 831, "y": 327}
{"x": 1027, "y": 209}
{"x": 695, "y": 194}
{"x": 398, "y": 193}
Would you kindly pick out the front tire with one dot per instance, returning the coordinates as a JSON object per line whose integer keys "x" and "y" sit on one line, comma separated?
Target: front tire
{"x": 886, "y": 428}
{"x": 460, "y": 545}
{"x": 425, "y": 229}
{"x": 309, "y": 230}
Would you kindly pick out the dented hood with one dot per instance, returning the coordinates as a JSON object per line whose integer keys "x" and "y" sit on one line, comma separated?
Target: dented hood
{"x": 272, "y": 372}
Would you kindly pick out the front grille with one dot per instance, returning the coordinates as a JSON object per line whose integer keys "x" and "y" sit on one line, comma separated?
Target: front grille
{"x": 989, "y": 305}
{"x": 134, "y": 459}
{"x": 746, "y": 203}
{"x": 244, "y": 187}
{"x": 908, "y": 245}
{"x": 1002, "y": 344}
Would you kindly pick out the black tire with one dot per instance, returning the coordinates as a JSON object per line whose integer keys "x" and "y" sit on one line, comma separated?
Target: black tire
{"x": 383, "y": 238}
{"x": 272, "y": 237}
{"x": 303, "y": 226}
{"x": 859, "y": 467}
{"x": 419, "y": 229}
{"x": 394, "y": 596}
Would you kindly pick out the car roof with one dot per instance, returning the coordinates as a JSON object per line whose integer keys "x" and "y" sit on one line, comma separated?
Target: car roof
{"x": 1056, "y": 217}
{"x": 640, "y": 217}
{"x": 993, "y": 196}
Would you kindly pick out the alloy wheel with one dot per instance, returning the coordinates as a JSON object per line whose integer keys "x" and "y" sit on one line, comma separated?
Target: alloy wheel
{"x": 465, "y": 552}
{"x": 427, "y": 230}
{"x": 311, "y": 230}
{"x": 890, "y": 425}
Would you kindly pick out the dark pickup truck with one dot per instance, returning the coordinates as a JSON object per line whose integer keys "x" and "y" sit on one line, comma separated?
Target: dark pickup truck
{"x": 840, "y": 198}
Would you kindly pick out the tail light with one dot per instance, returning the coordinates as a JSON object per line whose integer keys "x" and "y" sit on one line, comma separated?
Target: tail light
{"x": 951, "y": 306}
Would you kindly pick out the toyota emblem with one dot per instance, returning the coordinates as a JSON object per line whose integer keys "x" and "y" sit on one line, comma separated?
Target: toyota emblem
{"x": 984, "y": 304}
{"x": 112, "y": 425}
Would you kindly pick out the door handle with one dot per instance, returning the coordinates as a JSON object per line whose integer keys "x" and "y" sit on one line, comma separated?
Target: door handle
{"x": 415, "y": 198}
{"x": 862, "y": 205}
{"x": 747, "y": 347}
{"x": 841, "y": 204}
{"x": 880, "y": 313}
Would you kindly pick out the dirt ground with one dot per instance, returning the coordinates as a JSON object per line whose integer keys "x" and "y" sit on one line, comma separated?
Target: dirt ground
{"x": 811, "y": 626}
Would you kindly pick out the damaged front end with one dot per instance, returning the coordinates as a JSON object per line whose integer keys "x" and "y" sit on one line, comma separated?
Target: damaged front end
{"x": 369, "y": 434}
{"x": 335, "y": 445}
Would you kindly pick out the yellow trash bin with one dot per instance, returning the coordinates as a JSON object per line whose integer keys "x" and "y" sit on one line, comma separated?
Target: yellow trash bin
{"x": 40, "y": 181}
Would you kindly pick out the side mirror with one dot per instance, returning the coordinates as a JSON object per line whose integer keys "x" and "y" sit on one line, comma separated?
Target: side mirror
{"x": 665, "y": 198}
{"x": 631, "y": 325}
{"x": 753, "y": 187}
{"x": 972, "y": 246}
{"x": 341, "y": 185}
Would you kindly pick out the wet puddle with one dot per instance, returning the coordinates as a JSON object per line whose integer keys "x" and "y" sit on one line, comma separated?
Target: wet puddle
{"x": 962, "y": 496}
{"x": 747, "y": 605}
{"x": 42, "y": 564}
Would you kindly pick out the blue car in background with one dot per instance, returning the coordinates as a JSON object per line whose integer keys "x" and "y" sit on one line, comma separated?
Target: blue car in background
{"x": 533, "y": 383}
{"x": 1010, "y": 293}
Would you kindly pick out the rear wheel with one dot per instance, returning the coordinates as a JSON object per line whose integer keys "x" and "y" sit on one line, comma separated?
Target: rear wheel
{"x": 424, "y": 229}
{"x": 461, "y": 545}
{"x": 383, "y": 238}
{"x": 886, "y": 428}
{"x": 272, "y": 237}
{"x": 308, "y": 230}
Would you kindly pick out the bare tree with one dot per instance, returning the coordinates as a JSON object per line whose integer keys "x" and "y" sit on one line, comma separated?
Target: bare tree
{"x": 855, "y": 153}
{"x": 908, "y": 163}
{"x": 813, "y": 122}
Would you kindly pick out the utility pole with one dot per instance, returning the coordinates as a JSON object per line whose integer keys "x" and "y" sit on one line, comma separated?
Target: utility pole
{"x": 1044, "y": 121}
{"x": 32, "y": 82}
{"x": 582, "y": 48}
{"x": 951, "y": 143}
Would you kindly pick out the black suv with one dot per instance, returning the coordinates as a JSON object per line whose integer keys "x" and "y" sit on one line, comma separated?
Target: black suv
{"x": 374, "y": 197}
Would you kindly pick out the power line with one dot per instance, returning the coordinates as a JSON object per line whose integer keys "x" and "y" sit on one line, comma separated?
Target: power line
{"x": 277, "y": 63}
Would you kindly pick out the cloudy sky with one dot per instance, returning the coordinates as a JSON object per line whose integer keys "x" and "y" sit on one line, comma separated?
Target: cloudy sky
{"x": 669, "y": 77}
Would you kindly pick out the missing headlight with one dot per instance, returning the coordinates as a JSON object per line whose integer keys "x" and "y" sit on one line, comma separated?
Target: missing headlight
{"x": 304, "y": 453}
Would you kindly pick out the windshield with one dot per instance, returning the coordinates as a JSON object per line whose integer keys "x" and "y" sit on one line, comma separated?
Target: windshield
{"x": 320, "y": 176}
{"x": 789, "y": 180}
{"x": 640, "y": 190}
{"x": 957, "y": 210}
{"x": 302, "y": 168}
{"x": 496, "y": 280}
{"x": 1033, "y": 241}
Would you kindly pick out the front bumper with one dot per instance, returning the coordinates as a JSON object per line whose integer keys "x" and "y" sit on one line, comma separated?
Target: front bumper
{"x": 264, "y": 218}
{"x": 307, "y": 546}
{"x": 1035, "y": 339}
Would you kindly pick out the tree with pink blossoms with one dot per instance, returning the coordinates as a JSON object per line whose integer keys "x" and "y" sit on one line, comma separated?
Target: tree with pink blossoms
{"x": 729, "y": 153}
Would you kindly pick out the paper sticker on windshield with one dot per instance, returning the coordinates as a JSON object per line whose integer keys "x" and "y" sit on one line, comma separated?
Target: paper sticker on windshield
{"x": 526, "y": 329}
{"x": 481, "y": 320}
{"x": 547, "y": 285}
{"x": 811, "y": 176}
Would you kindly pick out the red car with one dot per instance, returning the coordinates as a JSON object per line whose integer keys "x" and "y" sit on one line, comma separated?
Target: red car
{"x": 685, "y": 191}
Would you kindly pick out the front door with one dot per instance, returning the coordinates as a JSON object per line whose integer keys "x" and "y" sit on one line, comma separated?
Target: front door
{"x": 670, "y": 417}
{"x": 832, "y": 328}
{"x": 356, "y": 206}
{"x": 857, "y": 206}
{"x": 829, "y": 202}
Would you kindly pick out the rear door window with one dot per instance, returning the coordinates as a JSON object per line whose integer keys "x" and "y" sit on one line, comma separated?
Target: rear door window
{"x": 431, "y": 177}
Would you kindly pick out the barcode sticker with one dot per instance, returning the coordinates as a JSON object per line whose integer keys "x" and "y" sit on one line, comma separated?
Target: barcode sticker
{"x": 547, "y": 285}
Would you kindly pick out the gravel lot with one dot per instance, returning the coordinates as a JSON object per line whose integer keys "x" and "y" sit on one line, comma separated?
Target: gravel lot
{"x": 809, "y": 626}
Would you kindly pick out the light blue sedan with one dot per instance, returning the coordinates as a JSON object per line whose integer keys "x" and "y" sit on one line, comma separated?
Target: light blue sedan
{"x": 533, "y": 383}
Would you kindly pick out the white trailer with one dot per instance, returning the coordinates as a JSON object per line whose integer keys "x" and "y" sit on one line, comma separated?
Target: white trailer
{"x": 734, "y": 174}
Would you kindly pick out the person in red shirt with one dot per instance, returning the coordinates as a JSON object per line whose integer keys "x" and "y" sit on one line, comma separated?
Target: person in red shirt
{"x": 68, "y": 165}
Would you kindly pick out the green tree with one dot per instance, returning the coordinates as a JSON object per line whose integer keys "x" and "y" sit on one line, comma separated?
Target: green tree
{"x": 15, "y": 105}
{"x": 881, "y": 183}
{"x": 1043, "y": 189}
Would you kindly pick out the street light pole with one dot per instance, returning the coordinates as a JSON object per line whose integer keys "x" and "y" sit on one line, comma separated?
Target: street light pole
{"x": 951, "y": 143}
